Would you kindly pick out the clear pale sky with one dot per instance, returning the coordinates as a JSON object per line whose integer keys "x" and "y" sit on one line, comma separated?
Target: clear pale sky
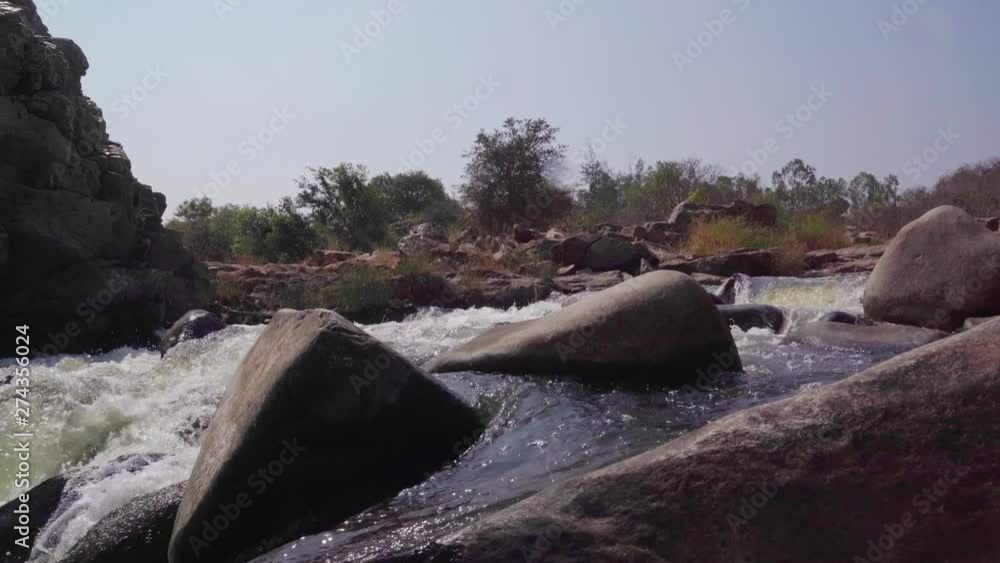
{"x": 228, "y": 70}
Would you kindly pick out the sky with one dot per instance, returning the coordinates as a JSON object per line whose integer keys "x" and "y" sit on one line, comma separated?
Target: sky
{"x": 234, "y": 99}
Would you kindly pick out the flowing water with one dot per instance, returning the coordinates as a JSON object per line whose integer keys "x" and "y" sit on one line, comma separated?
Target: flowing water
{"x": 91, "y": 412}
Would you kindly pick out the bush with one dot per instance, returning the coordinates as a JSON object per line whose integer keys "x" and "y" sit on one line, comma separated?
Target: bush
{"x": 728, "y": 234}
{"x": 363, "y": 288}
{"x": 816, "y": 232}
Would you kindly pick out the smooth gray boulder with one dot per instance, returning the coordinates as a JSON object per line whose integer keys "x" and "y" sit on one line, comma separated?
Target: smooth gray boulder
{"x": 753, "y": 316}
{"x": 662, "y": 327}
{"x": 321, "y": 422}
{"x": 878, "y": 338}
{"x": 898, "y": 463}
{"x": 939, "y": 270}
{"x": 193, "y": 325}
{"x": 137, "y": 531}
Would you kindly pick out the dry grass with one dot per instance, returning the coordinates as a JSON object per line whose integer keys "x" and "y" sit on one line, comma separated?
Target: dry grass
{"x": 815, "y": 232}
{"x": 729, "y": 234}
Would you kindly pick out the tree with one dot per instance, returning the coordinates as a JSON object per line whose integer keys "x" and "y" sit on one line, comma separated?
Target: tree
{"x": 604, "y": 191}
{"x": 798, "y": 189}
{"x": 205, "y": 236}
{"x": 341, "y": 198}
{"x": 508, "y": 176}
{"x": 416, "y": 197}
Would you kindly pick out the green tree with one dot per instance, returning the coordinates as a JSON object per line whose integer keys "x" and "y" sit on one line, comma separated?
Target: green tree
{"x": 508, "y": 176}
{"x": 342, "y": 199}
{"x": 416, "y": 197}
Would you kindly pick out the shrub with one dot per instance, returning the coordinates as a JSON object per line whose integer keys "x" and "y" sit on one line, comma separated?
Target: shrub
{"x": 227, "y": 291}
{"x": 363, "y": 288}
{"x": 815, "y": 232}
{"x": 790, "y": 259}
{"x": 728, "y": 234}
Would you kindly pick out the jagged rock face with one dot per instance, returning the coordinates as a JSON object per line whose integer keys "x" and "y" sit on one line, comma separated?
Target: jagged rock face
{"x": 84, "y": 258}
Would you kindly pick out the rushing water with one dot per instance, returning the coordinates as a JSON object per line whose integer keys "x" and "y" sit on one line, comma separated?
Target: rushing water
{"x": 90, "y": 411}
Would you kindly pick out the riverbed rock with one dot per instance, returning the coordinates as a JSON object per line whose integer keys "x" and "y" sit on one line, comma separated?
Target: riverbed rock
{"x": 753, "y": 316}
{"x": 745, "y": 261}
{"x": 661, "y": 326}
{"x": 589, "y": 281}
{"x": 330, "y": 421}
{"x": 88, "y": 264}
{"x": 425, "y": 239}
{"x": 43, "y": 500}
{"x": 907, "y": 447}
{"x": 894, "y": 339}
{"x": 137, "y": 531}
{"x": 939, "y": 270}
{"x": 194, "y": 325}
{"x": 840, "y": 317}
{"x": 688, "y": 213}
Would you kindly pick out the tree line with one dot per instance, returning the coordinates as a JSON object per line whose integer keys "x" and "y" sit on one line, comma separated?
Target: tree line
{"x": 513, "y": 176}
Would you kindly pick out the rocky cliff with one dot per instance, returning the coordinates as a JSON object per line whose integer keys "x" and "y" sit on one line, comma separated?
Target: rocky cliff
{"x": 84, "y": 258}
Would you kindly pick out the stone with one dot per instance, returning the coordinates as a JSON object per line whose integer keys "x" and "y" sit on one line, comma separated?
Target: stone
{"x": 752, "y": 263}
{"x": 894, "y": 339}
{"x": 425, "y": 239}
{"x": 896, "y": 463}
{"x": 194, "y": 325}
{"x": 321, "y": 422}
{"x": 686, "y": 214}
{"x": 754, "y": 316}
{"x": 661, "y": 326}
{"x": 939, "y": 270}
{"x": 991, "y": 223}
{"x": 524, "y": 235}
{"x": 840, "y": 317}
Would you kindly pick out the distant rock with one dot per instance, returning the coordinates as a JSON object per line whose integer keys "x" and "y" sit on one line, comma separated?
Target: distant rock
{"x": 661, "y": 327}
{"x": 747, "y": 262}
{"x": 602, "y": 253}
{"x": 687, "y": 214}
{"x": 194, "y": 325}
{"x": 897, "y": 463}
{"x": 84, "y": 258}
{"x": 939, "y": 270}
{"x": 425, "y": 239}
{"x": 321, "y": 422}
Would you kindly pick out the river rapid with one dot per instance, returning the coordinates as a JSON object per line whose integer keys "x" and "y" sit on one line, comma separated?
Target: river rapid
{"x": 88, "y": 411}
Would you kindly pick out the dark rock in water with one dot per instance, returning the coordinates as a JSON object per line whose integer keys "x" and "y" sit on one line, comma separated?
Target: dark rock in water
{"x": 753, "y": 316}
{"x": 879, "y": 338}
{"x": 53, "y": 498}
{"x": 902, "y": 457}
{"x": 939, "y": 270}
{"x": 728, "y": 290}
{"x": 137, "y": 532}
{"x": 85, "y": 258}
{"x": 839, "y": 317}
{"x": 661, "y": 326}
{"x": 321, "y": 422}
{"x": 194, "y": 325}
{"x": 972, "y": 323}
{"x": 42, "y": 503}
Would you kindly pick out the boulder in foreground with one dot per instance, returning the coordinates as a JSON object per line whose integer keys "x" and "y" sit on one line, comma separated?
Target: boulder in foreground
{"x": 661, "y": 327}
{"x": 321, "y": 422}
{"x": 897, "y": 463}
{"x": 939, "y": 270}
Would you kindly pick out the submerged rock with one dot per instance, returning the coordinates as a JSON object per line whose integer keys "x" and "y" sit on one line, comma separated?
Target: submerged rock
{"x": 194, "y": 325}
{"x": 900, "y": 459}
{"x": 840, "y": 317}
{"x": 939, "y": 270}
{"x": 138, "y": 531}
{"x": 878, "y": 338}
{"x": 754, "y": 316}
{"x": 661, "y": 326}
{"x": 43, "y": 500}
{"x": 321, "y": 422}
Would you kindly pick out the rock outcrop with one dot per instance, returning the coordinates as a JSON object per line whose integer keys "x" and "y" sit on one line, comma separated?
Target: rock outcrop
{"x": 425, "y": 239}
{"x": 897, "y": 463}
{"x": 939, "y": 270}
{"x": 661, "y": 326}
{"x": 687, "y": 214}
{"x": 321, "y": 422}
{"x": 84, "y": 258}
{"x": 193, "y": 325}
{"x": 602, "y": 253}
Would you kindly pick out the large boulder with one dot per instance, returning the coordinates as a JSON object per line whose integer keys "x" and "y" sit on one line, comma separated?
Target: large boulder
{"x": 84, "y": 257}
{"x": 686, "y": 214}
{"x": 602, "y": 253}
{"x": 137, "y": 531}
{"x": 193, "y": 325}
{"x": 898, "y": 463}
{"x": 893, "y": 339}
{"x": 321, "y": 422}
{"x": 661, "y": 326}
{"x": 939, "y": 270}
